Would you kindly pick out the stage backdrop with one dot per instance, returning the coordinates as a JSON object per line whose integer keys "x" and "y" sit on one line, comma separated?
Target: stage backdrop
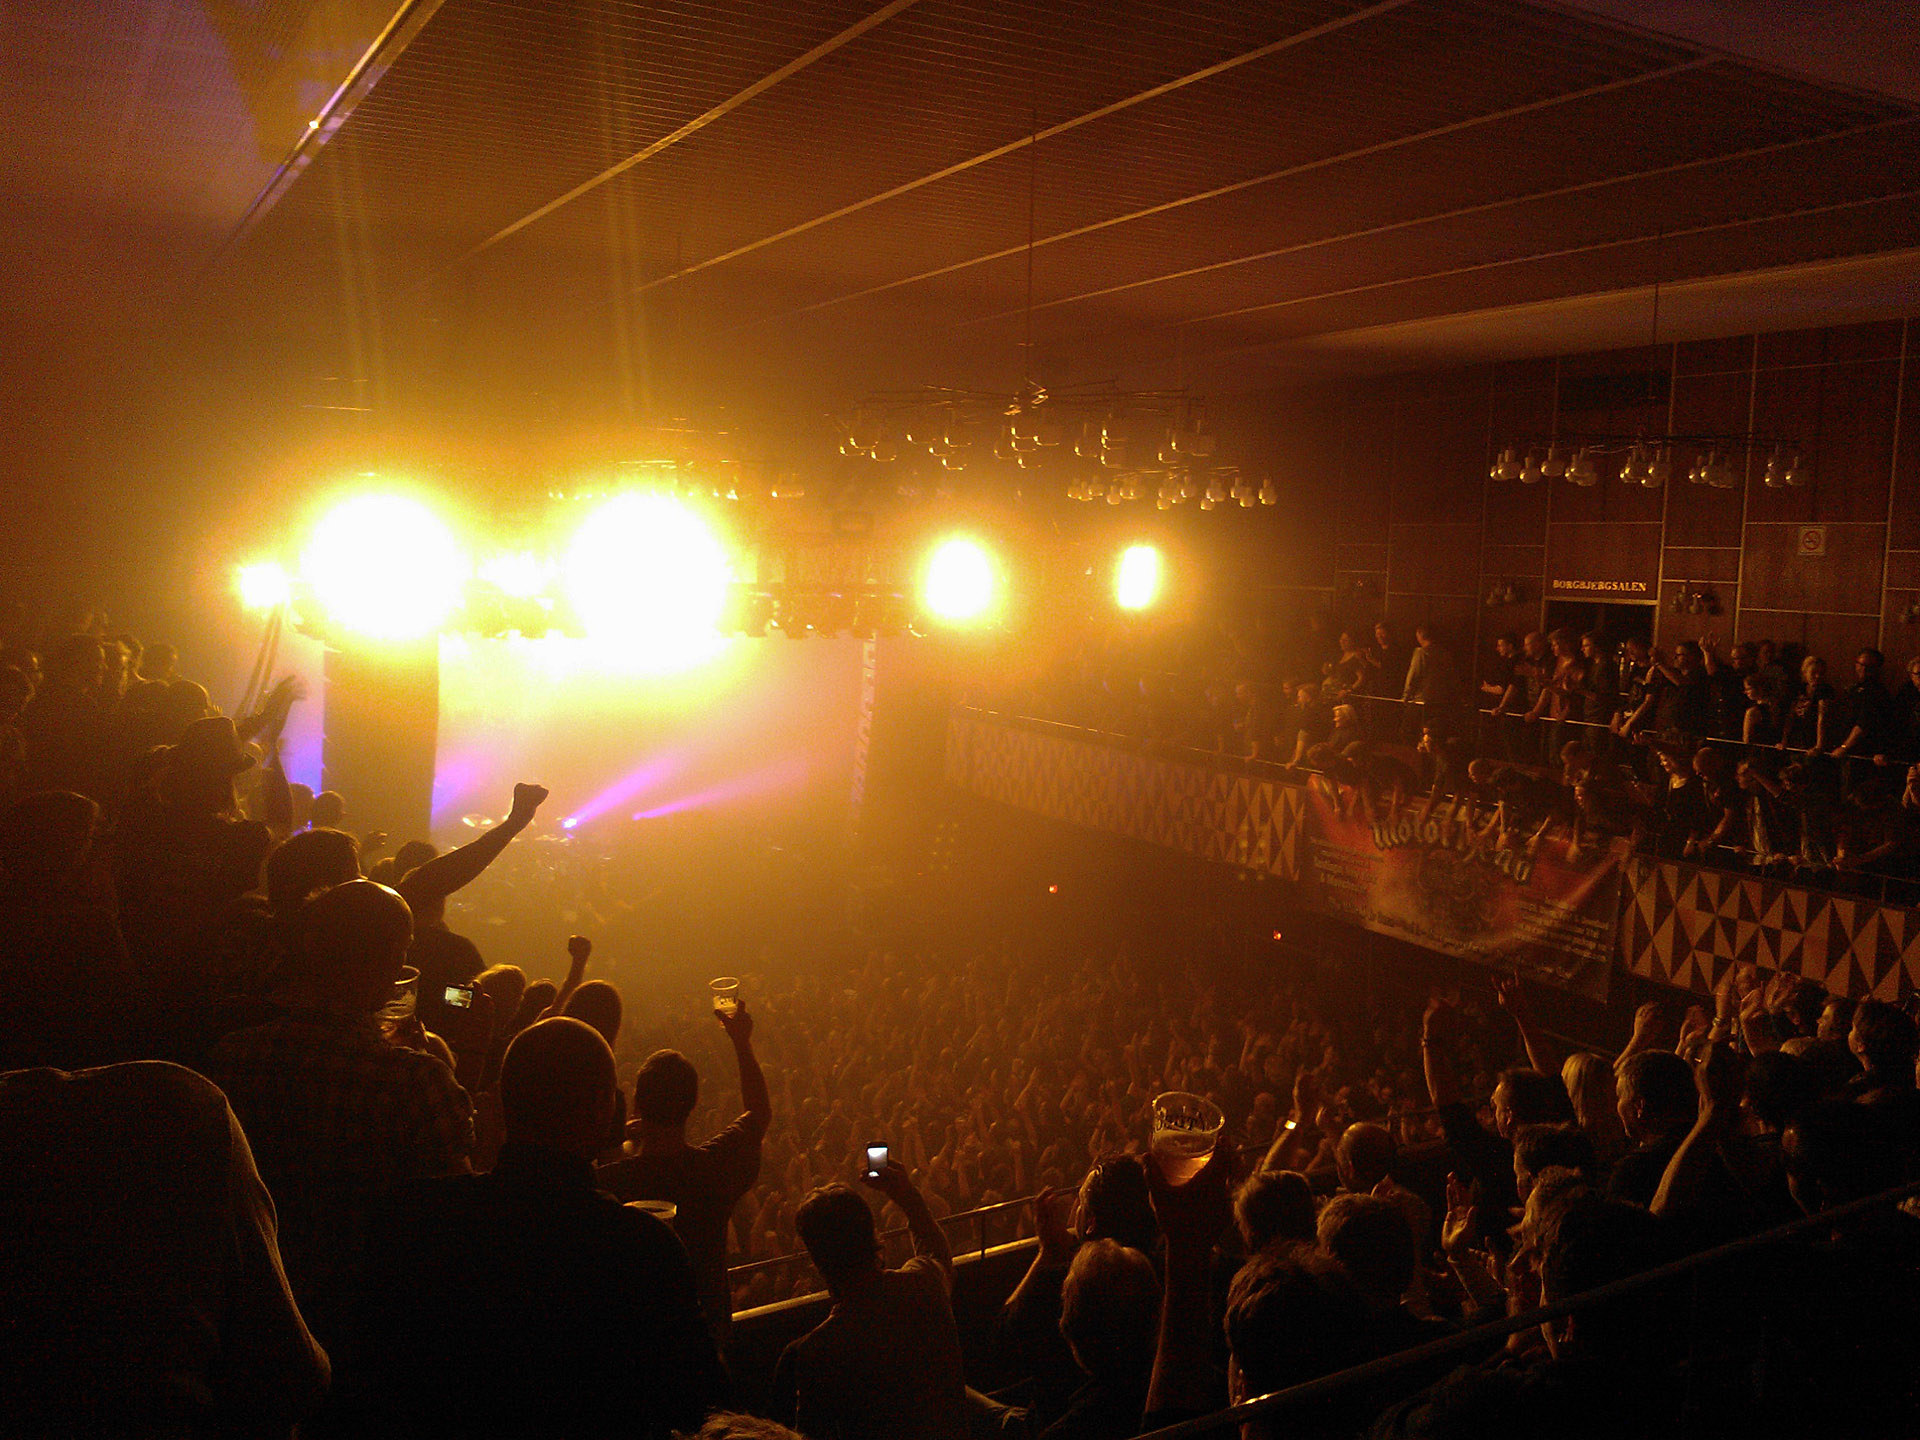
{"x": 765, "y": 729}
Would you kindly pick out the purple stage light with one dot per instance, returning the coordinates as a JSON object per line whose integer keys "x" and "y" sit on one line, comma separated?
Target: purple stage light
{"x": 783, "y": 776}
{"x": 655, "y": 772}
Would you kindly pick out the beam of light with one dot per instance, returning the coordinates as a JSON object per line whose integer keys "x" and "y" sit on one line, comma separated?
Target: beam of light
{"x": 1138, "y": 577}
{"x": 648, "y": 580}
{"x": 385, "y": 566}
{"x": 456, "y": 781}
{"x": 765, "y": 781}
{"x": 656, "y": 771}
{"x": 960, "y": 584}
{"x": 263, "y": 586}
{"x": 517, "y": 574}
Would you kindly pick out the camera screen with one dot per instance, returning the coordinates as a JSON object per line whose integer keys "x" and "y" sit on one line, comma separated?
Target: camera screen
{"x": 458, "y": 996}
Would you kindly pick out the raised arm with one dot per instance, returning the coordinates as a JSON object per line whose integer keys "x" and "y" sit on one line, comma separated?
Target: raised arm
{"x": 1443, "y": 1087}
{"x": 579, "y": 951}
{"x": 1193, "y": 1217}
{"x": 928, "y": 1238}
{"x": 441, "y": 876}
{"x": 754, "y": 1094}
{"x": 1513, "y": 999}
{"x": 1719, "y": 1075}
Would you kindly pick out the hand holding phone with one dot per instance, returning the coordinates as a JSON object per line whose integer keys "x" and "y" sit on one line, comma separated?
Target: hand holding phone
{"x": 878, "y": 1158}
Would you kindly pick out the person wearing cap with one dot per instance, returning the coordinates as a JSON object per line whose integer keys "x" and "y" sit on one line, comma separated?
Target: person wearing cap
{"x": 183, "y": 856}
{"x": 338, "y": 1112}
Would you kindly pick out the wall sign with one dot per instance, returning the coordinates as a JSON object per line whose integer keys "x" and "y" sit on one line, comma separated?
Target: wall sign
{"x": 1813, "y": 540}
{"x": 1601, "y": 589}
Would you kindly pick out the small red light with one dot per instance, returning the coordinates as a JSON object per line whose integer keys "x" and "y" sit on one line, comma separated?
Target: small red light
{"x": 1278, "y": 936}
{"x": 1053, "y": 889}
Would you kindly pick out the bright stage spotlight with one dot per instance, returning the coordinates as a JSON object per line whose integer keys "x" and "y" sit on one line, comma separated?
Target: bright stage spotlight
{"x": 1138, "y": 577}
{"x": 649, "y": 580}
{"x": 960, "y": 584}
{"x": 385, "y": 566}
{"x": 263, "y": 585}
{"x": 515, "y": 574}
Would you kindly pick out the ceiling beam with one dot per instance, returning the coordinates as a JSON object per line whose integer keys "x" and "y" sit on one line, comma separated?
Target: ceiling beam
{"x": 374, "y": 62}
{"x": 698, "y": 123}
{"x": 1485, "y": 207}
{"x": 1233, "y": 62}
{"x": 1398, "y": 142}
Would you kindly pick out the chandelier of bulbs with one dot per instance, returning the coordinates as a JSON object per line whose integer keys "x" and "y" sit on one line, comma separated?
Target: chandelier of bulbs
{"x": 1116, "y": 446}
{"x": 1718, "y": 460}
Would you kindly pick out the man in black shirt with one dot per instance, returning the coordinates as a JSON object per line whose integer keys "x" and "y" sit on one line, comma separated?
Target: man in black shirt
{"x": 525, "y": 1301}
{"x": 703, "y": 1182}
{"x": 1872, "y": 724}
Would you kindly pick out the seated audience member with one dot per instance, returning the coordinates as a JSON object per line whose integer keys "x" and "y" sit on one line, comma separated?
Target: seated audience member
{"x": 1293, "y": 1317}
{"x": 1364, "y": 1160}
{"x": 526, "y": 1301}
{"x": 138, "y": 1269}
{"x": 1112, "y": 1204}
{"x": 704, "y": 1182}
{"x": 1274, "y": 1209}
{"x": 1109, "y": 1313}
{"x": 1483, "y": 1158}
{"x": 1884, "y": 1040}
{"x": 1588, "y": 1079}
{"x": 1578, "y": 1387}
{"x": 337, "y": 1111}
{"x": 885, "y": 1363}
{"x": 1372, "y": 1243}
{"x": 1658, "y": 1106}
{"x": 1540, "y": 1147}
{"x": 70, "y": 995}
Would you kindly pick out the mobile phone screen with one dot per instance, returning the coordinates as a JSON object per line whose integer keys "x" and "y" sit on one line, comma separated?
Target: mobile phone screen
{"x": 460, "y": 997}
{"x": 877, "y": 1156}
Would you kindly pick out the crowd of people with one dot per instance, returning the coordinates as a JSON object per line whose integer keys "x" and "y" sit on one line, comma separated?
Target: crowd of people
{"x": 1752, "y": 758}
{"x": 279, "y": 1146}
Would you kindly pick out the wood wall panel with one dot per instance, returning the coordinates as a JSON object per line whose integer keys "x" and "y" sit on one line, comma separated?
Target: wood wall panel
{"x": 1394, "y": 470}
{"x": 1604, "y": 552}
{"x": 1706, "y": 565}
{"x": 1906, "y": 460}
{"x": 1846, "y": 579}
{"x": 1435, "y": 559}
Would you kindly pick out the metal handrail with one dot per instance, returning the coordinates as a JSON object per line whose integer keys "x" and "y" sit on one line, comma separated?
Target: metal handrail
{"x": 1500, "y": 1329}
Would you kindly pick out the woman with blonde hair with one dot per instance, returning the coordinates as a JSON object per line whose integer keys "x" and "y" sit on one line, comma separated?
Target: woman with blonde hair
{"x": 1589, "y": 1081}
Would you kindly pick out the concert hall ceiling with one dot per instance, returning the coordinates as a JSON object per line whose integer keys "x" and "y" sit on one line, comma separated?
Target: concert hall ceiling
{"x": 844, "y": 193}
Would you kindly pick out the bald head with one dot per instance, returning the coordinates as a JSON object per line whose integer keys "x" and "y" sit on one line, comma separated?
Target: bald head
{"x": 1364, "y": 1156}
{"x": 557, "y": 1087}
{"x": 354, "y": 938}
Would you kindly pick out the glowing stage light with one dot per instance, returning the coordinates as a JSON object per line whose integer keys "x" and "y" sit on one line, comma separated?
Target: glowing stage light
{"x": 263, "y": 585}
{"x": 385, "y": 566}
{"x": 960, "y": 583}
{"x": 649, "y": 580}
{"x": 1137, "y": 578}
{"x": 515, "y": 574}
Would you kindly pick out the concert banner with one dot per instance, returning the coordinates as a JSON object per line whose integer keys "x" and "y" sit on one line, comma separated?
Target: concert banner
{"x": 1438, "y": 882}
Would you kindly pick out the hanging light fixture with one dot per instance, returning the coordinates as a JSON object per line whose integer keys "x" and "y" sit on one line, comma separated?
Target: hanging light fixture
{"x": 1530, "y": 470}
{"x": 1268, "y": 494}
{"x": 1581, "y": 470}
{"x": 1554, "y": 466}
{"x": 1659, "y": 469}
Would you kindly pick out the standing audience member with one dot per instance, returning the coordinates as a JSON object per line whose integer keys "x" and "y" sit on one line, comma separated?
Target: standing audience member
{"x": 338, "y": 1112}
{"x": 885, "y": 1363}
{"x": 525, "y": 1301}
{"x": 703, "y": 1182}
{"x": 1109, "y": 1314}
{"x": 140, "y": 1281}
